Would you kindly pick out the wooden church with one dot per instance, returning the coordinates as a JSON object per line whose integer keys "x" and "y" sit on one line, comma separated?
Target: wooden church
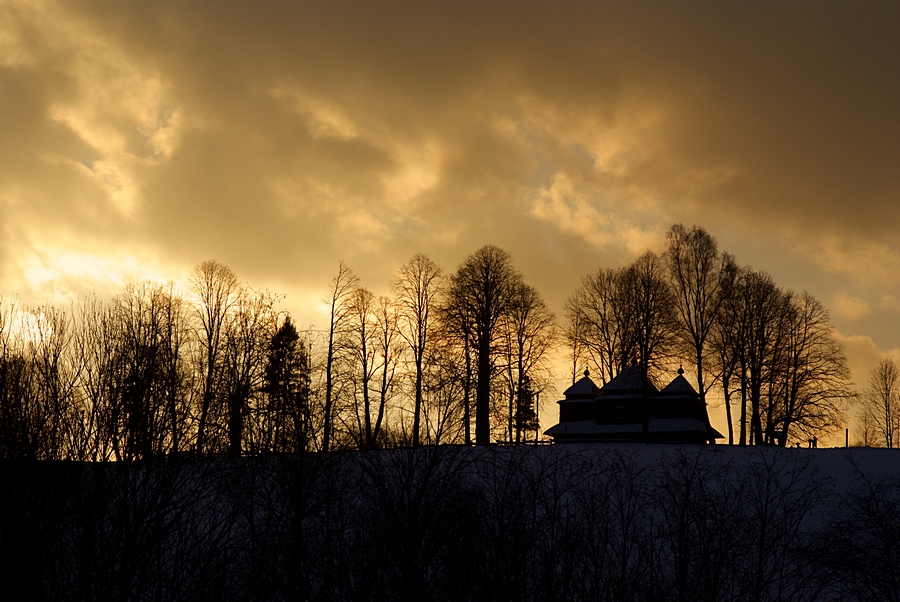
{"x": 631, "y": 408}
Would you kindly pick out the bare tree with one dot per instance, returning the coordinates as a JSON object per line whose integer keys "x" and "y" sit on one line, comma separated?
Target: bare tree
{"x": 596, "y": 317}
{"x": 23, "y": 418}
{"x": 529, "y": 333}
{"x": 482, "y": 288}
{"x": 651, "y": 307}
{"x": 812, "y": 379}
{"x": 727, "y": 339}
{"x": 387, "y": 358}
{"x": 778, "y": 350}
{"x": 216, "y": 289}
{"x": 624, "y": 317}
{"x": 176, "y": 370}
{"x": 342, "y": 286}
{"x": 139, "y": 357}
{"x": 456, "y": 351}
{"x": 446, "y": 388}
{"x": 573, "y": 334}
{"x": 418, "y": 284}
{"x": 866, "y": 431}
{"x": 361, "y": 337}
{"x": 700, "y": 275}
{"x": 98, "y": 342}
{"x": 50, "y": 354}
{"x": 249, "y": 331}
{"x": 149, "y": 331}
{"x": 763, "y": 315}
{"x": 880, "y": 402}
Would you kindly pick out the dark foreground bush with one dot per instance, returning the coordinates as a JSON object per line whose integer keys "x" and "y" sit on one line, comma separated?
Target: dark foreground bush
{"x": 450, "y": 523}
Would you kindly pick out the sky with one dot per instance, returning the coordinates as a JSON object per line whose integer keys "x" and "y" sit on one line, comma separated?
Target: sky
{"x": 138, "y": 139}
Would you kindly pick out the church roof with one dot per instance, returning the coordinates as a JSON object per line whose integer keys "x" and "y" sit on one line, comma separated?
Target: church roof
{"x": 679, "y": 386}
{"x": 585, "y": 387}
{"x": 629, "y": 379}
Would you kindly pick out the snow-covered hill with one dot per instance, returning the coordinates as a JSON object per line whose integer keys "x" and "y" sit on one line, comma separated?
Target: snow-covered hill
{"x": 564, "y": 522}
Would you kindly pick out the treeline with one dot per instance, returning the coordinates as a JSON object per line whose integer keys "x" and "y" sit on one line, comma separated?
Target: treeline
{"x": 219, "y": 369}
{"x": 451, "y": 523}
{"x": 768, "y": 350}
{"x": 455, "y": 357}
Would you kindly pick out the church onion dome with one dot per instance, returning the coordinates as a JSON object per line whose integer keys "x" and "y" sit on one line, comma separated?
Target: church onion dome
{"x": 583, "y": 389}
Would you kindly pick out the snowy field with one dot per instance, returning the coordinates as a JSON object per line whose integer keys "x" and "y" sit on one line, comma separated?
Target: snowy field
{"x": 564, "y": 522}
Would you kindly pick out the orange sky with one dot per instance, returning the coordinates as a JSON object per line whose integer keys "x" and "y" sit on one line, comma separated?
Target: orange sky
{"x": 138, "y": 139}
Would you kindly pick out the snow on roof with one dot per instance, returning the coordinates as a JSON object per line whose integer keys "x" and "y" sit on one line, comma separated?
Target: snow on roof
{"x": 584, "y": 387}
{"x": 628, "y": 379}
{"x": 679, "y": 386}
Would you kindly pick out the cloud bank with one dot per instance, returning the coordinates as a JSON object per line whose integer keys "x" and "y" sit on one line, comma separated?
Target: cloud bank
{"x": 139, "y": 139}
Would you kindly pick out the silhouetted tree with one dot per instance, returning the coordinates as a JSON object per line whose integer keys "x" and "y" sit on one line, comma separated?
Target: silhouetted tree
{"x": 651, "y": 307}
{"x": 812, "y": 380}
{"x": 361, "y": 336}
{"x": 176, "y": 370}
{"x": 387, "y": 351}
{"x": 446, "y": 385}
{"x": 149, "y": 332}
{"x": 528, "y": 336}
{"x": 727, "y": 340}
{"x": 763, "y": 315}
{"x": 880, "y": 402}
{"x": 98, "y": 342}
{"x": 418, "y": 285}
{"x": 342, "y": 286}
{"x": 23, "y": 419}
{"x": 596, "y": 316}
{"x": 624, "y": 317}
{"x": 482, "y": 290}
{"x": 457, "y": 355}
{"x": 50, "y": 352}
{"x": 525, "y": 419}
{"x": 866, "y": 432}
{"x": 700, "y": 277}
{"x": 778, "y": 350}
{"x": 285, "y": 423}
{"x": 216, "y": 290}
{"x": 249, "y": 331}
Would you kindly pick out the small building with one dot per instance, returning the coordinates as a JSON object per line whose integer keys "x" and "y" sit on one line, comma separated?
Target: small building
{"x": 631, "y": 408}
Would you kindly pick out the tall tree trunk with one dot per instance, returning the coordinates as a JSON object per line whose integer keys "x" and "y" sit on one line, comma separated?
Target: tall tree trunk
{"x": 329, "y": 386}
{"x": 755, "y": 416}
{"x": 727, "y": 393}
{"x": 701, "y": 388}
{"x": 467, "y": 395}
{"x": 743, "y": 428}
{"x": 205, "y": 403}
{"x": 417, "y": 410}
{"x": 510, "y": 426}
{"x": 235, "y": 421}
{"x": 483, "y": 392}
